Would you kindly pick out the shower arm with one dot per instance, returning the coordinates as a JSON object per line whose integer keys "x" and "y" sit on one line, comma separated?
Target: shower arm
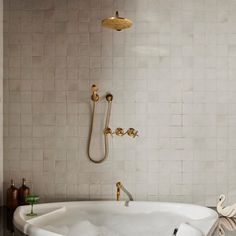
{"x": 95, "y": 99}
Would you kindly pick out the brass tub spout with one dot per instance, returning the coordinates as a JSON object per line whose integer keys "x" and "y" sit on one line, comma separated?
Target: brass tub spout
{"x": 118, "y": 191}
{"x": 119, "y": 187}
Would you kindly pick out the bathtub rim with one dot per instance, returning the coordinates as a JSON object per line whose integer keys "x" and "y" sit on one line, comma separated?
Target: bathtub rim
{"x": 25, "y": 225}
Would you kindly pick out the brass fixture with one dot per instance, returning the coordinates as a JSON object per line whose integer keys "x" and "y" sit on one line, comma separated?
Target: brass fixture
{"x": 119, "y": 186}
{"x": 109, "y": 97}
{"x": 132, "y": 132}
{"x": 117, "y": 23}
{"x": 119, "y": 132}
{"x": 95, "y": 96}
{"x": 107, "y": 130}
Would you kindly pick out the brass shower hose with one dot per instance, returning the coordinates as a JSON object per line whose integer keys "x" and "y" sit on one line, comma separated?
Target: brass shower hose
{"x": 109, "y": 98}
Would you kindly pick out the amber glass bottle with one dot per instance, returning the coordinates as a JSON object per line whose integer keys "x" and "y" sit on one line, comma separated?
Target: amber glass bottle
{"x": 12, "y": 196}
{"x": 24, "y": 191}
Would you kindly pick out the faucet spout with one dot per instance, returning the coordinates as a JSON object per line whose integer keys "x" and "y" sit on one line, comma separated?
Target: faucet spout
{"x": 119, "y": 187}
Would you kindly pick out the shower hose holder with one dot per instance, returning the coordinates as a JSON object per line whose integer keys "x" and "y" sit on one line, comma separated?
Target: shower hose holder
{"x": 131, "y": 132}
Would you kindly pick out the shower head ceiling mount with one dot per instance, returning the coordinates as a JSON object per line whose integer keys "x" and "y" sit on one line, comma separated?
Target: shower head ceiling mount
{"x": 117, "y": 23}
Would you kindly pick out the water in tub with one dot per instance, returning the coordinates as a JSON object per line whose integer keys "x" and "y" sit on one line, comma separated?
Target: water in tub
{"x": 85, "y": 223}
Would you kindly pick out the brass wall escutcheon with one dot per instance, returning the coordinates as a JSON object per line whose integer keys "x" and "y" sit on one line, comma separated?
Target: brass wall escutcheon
{"x": 109, "y": 97}
{"x": 119, "y": 132}
{"x": 108, "y": 131}
{"x": 132, "y": 132}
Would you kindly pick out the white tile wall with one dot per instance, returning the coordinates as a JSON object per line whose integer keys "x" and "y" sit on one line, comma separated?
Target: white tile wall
{"x": 173, "y": 78}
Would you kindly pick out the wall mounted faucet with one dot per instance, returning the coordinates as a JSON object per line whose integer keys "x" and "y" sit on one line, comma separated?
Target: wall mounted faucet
{"x": 121, "y": 132}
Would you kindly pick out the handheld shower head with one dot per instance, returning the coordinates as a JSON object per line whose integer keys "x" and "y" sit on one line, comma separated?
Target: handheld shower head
{"x": 95, "y": 96}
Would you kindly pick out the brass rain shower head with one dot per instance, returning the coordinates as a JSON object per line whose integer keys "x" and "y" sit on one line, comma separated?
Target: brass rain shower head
{"x": 117, "y": 23}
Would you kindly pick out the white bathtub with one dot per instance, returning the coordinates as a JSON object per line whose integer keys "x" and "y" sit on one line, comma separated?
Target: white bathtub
{"x": 109, "y": 218}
